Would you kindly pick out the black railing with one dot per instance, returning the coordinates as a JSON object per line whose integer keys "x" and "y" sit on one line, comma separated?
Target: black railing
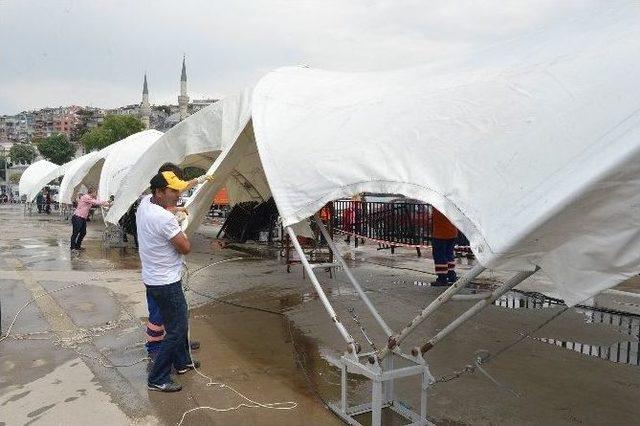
{"x": 625, "y": 351}
{"x": 402, "y": 222}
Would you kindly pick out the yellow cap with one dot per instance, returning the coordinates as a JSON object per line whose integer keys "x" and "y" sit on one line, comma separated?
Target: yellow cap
{"x": 174, "y": 182}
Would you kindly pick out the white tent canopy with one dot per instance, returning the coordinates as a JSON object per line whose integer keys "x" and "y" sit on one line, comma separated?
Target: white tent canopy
{"x": 196, "y": 141}
{"x": 81, "y": 171}
{"x": 531, "y": 149}
{"x": 35, "y": 177}
{"x": 87, "y": 169}
{"x": 120, "y": 160}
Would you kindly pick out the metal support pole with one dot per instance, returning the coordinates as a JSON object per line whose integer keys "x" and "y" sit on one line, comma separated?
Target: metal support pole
{"x": 323, "y": 297}
{"x": 423, "y": 396}
{"x": 343, "y": 390}
{"x": 389, "y": 385}
{"x": 354, "y": 282}
{"x": 496, "y": 294}
{"x": 376, "y": 403}
{"x": 426, "y": 312}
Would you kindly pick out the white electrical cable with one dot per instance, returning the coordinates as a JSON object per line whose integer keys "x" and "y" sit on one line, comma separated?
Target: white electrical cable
{"x": 105, "y": 365}
{"x": 94, "y": 277}
{"x": 64, "y": 342}
{"x": 247, "y": 402}
{"x": 289, "y": 405}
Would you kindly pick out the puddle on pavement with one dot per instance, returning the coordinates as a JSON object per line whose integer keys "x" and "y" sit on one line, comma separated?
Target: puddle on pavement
{"x": 254, "y": 349}
{"x": 339, "y": 291}
{"x": 53, "y": 254}
{"x": 626, "y": 351}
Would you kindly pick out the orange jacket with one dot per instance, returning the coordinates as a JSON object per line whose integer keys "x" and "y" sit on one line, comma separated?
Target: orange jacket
{"x": 442, "y": 228}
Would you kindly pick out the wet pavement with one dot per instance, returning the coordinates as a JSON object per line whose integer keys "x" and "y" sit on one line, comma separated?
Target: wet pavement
{"x": 77, "y": 356}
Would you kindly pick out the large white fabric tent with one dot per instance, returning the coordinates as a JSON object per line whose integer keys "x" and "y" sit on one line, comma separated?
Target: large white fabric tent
{"x": 87, "y": 170}
{"x": 532, "y": 149}
{"x": 120, "y": 160}
{"x": 196, "y": 141}
{"x": 35, "y": 177}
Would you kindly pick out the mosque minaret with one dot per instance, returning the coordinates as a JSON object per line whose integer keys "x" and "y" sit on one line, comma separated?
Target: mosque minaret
{"x": 183, "y": 99}
{"x": 145, "y": 109}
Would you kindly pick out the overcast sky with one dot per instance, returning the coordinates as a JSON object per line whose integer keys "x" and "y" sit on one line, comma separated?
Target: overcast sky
{"x": 95, "y": 52}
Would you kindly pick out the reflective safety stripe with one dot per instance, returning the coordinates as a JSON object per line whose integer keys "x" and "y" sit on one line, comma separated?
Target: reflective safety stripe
{"x": 155, "y": 327}
{"x": 155, "y": 339}
{"x": 442, "y": 268}
{"x": 155, "y": 333}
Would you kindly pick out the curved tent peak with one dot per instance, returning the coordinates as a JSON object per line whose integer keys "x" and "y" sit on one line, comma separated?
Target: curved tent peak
{"x": 195, "y": 141}
{"x": 119, "y": 161}
{"x": 75, "y": 174}
{"x": 29, "y": 184}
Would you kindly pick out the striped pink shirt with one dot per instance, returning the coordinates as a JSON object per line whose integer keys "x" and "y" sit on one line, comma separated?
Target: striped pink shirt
{"x": 84, "y": 205}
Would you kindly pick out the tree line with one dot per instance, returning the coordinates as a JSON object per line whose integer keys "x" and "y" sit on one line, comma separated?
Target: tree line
{"x": 59, "y": 149}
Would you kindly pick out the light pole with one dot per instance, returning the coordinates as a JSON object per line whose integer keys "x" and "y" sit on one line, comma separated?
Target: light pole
{"x": 6, "y": 171}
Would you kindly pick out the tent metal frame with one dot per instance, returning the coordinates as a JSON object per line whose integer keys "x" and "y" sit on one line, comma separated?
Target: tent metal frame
{"x": 383, "y": 367}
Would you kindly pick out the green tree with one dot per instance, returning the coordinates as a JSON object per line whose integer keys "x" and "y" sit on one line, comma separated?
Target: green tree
{"x": 14, "y": 178}
{"x": 23, "y": 153}
{"x": 113, "y": 129}
{"x": 56, "y": 149}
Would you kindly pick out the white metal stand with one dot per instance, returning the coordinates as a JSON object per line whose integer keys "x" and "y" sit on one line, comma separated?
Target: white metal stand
{"x": 65, "y": 211}
{"x": 383, "y": 394}
{"x": 112, "y": 236}
{"x": 383, "y": 367}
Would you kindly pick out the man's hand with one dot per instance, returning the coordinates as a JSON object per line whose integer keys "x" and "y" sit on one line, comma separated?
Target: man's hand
{"x": 175, "y": 209}
{"x": 205, "y": 178}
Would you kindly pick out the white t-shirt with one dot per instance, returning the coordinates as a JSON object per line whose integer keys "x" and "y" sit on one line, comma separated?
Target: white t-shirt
{"x": 161, "y": 262}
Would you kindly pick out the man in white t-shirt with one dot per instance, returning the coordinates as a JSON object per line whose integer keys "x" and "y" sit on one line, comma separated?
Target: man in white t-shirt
{"x": 162, "y": 245}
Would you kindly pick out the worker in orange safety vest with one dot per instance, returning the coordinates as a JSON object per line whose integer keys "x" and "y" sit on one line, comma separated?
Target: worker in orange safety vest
{"x": 444, "y": 239}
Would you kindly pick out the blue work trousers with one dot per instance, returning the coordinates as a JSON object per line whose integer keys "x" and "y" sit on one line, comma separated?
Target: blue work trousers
{"x": 174, "y": 349}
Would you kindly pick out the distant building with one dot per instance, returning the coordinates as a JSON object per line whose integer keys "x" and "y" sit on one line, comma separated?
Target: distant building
{"x": 17, "y": 128}
{"x": 125, "y": 110}
{"x": 64, "y": 124}
{"x": 197, "y": 104}
{"x": 95, "y": 117}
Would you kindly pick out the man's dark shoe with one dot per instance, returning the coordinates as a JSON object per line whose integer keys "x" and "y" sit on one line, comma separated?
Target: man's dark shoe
{"x": 452, "y": 277}
{"x": 167, "y": 387}
{"x": 195, "y": 364}
{"x": 438, "y": 283}
{"x": 195, "y": 345}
